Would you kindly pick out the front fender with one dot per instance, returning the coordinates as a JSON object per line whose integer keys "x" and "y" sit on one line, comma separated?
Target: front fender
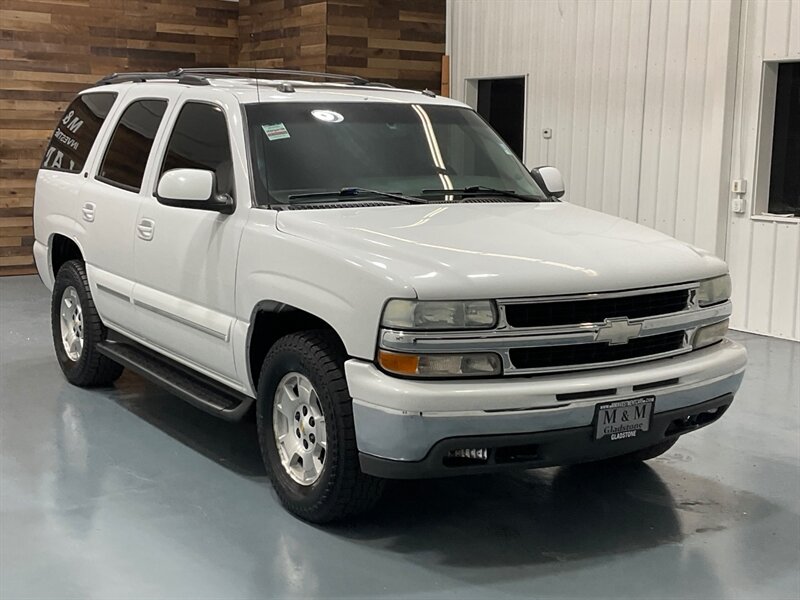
{"x": 345, "y": 290}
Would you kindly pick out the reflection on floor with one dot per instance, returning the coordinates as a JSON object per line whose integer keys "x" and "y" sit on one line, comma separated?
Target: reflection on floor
{"x": 129, "y": 493}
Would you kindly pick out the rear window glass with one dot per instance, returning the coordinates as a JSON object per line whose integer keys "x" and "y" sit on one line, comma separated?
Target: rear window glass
{"x": 76, "y": 131}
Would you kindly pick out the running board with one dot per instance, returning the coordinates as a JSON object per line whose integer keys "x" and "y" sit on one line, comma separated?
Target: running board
{"x": 196, "y": 389}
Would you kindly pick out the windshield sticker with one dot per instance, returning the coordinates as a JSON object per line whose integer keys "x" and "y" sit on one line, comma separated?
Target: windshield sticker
{"x": 506, "y": 149}
{"x": 276, "y": 131}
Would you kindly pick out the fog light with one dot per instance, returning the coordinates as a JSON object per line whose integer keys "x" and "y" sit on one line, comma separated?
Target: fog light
{"x": 710, "y": 334}
{"x": 471, "y": 453}
{"x": 440, "y": 365}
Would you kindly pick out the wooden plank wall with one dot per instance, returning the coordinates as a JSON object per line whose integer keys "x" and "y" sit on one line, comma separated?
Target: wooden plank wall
{"x": 51, "y": 49}
{"x": 395, "y": 41}
{"x": 282, "y": 34}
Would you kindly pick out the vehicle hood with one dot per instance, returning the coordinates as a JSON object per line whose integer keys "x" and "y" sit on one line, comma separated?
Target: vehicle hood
{"x": 501, "y": 250}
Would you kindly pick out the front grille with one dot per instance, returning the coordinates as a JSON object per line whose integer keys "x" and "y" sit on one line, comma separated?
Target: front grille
{"x": 582, "y": 354}
{"x": 595, "y": 310}
{"x": 560, "y": 333}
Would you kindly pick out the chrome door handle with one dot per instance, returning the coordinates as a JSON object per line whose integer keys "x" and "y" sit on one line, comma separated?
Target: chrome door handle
{"x": 88, "y": 211}
{"x": 145, "y": 229}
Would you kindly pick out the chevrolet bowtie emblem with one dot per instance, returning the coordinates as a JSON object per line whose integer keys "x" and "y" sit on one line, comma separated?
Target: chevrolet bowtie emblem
{"x": 617, "y": 331}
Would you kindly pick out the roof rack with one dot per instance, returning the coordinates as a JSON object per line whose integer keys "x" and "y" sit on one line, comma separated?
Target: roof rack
{"x": 140, "y": 77}
{"x": 199, "y": 75}
{"x": 257, "y": 71}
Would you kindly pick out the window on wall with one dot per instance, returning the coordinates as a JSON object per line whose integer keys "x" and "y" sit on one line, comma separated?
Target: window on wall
{"x": 784, "y": 180}
{"x": 129, "y": 148}
{"x": 502, "y": 103}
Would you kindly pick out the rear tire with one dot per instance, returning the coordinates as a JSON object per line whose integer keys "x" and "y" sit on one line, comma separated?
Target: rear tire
{"x": 77, "y": 329}
{"x": 335, "y": 487}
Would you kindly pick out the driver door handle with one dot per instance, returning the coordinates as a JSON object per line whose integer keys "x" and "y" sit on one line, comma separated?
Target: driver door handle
{"x": 145, "y": 229}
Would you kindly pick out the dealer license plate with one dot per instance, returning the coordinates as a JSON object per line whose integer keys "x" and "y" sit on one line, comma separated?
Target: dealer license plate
{"x": 623, "y": 419}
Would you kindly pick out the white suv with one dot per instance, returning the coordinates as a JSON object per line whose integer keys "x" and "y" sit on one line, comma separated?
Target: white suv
{"x": 376, "y": 274}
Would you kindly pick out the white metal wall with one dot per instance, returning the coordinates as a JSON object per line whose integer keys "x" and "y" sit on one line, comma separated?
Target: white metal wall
{"x": 764, "y": 255}
{"x": 691, "y": 61}
{"x": 640, "y": 96}
{"x": 585, "y": 63}
{"x": 630, "y": 89}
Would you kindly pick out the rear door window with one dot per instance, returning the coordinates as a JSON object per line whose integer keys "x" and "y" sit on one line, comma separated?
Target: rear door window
{"x": 76, "y": 132}
{"x": 129, "y": 149}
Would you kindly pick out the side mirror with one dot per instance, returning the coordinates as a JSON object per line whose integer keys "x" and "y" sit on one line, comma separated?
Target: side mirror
{"x": 550, "y": 179}
{"x": 192, "y": 188}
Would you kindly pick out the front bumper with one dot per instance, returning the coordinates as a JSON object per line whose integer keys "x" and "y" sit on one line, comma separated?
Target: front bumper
{"x": 410, "y": 421}
{"x": 546, "y": 448}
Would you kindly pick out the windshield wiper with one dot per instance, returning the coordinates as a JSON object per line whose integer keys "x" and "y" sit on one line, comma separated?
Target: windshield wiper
{"x": 348, "y": 192}
{"x": 483, "y": 191}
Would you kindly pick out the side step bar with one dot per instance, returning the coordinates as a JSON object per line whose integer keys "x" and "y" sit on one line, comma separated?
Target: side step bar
{"x": 196, "y": 389}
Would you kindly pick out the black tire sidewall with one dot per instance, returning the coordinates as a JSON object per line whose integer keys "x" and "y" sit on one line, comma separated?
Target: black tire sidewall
{"x": 72, "y": 274}
{"x": 302, "y": 499}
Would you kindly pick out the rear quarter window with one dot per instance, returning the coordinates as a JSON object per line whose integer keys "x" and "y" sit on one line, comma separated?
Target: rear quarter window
{"x": 76, "y": 132}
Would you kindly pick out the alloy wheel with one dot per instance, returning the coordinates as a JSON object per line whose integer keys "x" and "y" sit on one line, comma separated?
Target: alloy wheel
{"x": 298, "y": 424}
{"x": 72, "y": 324}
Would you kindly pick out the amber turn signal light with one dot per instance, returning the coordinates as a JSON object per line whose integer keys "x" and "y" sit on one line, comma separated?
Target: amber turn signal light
{"x": 402, "y": 364}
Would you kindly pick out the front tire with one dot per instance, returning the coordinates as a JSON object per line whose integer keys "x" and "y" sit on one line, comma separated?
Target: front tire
{"x": 306, "y": 432}
{"x": 77, "y": 329}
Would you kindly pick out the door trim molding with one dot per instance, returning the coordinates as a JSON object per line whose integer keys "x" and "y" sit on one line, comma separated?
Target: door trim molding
{"x": 176, "y": 356}
{"x": 113, "y": 292}
{"x": 183, "y": 321}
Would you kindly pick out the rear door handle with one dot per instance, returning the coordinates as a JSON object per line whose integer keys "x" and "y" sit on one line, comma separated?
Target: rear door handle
{"x": 145, "y": 229}
{"x": 88, "y": 211}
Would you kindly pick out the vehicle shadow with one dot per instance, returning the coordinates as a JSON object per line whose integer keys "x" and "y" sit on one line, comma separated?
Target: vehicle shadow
{"x": 541, "y": 516}
{"x": 549, "y": 517}
{"x": 234, "y": 445}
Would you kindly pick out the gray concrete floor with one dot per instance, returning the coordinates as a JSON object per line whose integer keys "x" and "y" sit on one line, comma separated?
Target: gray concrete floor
{"x": 130, "y": 493}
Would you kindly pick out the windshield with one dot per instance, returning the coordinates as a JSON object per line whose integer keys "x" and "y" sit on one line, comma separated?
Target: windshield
{"x": 411, "y": 149}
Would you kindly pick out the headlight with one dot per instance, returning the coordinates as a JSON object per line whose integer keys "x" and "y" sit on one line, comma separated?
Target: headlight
{"x": 440, "y": 365}
{"x": 714, "y": 291}
{"x": 710, "y": 334}
{"x": 417, "y": 314}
